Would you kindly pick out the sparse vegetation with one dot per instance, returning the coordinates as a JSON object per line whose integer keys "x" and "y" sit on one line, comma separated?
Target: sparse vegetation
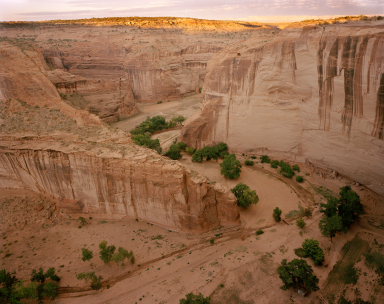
{"x": 195, "y": 299}
{"x": 277, "y": 214}
{"x": 259, "y": 231}
{"x": 95, "y": 280}
{"x": 249, "y": 162}
{"x": 245, "y": 196}
{"x": 300, "y": 223}
{"x": 108, "y": 254}
{"x": 86, "y": 254}
{"x": 265, "y": 159}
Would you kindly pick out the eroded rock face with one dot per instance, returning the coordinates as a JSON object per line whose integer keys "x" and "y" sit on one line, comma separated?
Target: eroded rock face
{"x": 110, "y": 99}
{"x": 145, "y": 186}
{"x": 162, "y": 59}
{"x": 24, "y": 81}
{"x": 314, "y": 93}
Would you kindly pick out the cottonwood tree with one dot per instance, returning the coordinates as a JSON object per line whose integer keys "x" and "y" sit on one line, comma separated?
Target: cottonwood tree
{"x": 230, "y": 167}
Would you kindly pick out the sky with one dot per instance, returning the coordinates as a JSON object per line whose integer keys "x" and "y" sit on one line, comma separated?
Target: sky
{"x": 249, "y": 10}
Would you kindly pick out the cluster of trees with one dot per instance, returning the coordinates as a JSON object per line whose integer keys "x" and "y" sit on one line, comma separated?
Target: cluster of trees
{"x": 174, "y": 151}
{"x": 108, "y": 254}
{"x": 141, "y": 135}
{"x": 245, "y": 196}
{"x": 285, "y": 168}
{"x": 312, "y": 249}
{"x": 340, "y": 213}
{"x": 43, "y": 285}
{"x": 210, "y": 152}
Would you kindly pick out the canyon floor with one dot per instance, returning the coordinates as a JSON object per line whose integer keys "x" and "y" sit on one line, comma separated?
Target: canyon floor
{"x": 232, "y": 265}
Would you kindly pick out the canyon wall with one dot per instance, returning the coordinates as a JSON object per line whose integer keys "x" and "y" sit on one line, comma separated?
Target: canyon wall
{"x": 109, "y": 99}
{"x": 141, "y": 185}
{"x": 311, "y": 94}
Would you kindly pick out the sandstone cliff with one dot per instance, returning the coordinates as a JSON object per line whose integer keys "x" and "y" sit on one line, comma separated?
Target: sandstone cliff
{"x": 140, "y": 185}
{"x": 110, "y": 99}
{"x": 314, "y": 93}
{"x": 163, "y": 58}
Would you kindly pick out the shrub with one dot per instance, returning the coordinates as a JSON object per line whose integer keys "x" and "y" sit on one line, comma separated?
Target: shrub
{"x": 265, "y": 159}
{"x": 260, "y": 231}
{"x": 313, "y": 250}
{"x": 42, "y": 289}
{"x": 300, "y": 223}
{"x": 297, "y": 273}
{"x": 121, "y": 255}
{"x": 245, "y": 196}
{"x": 253, "y": 157}
{"x": 212, "y": 241}
{"x": 299, "y": 179}
{"x": 296, "y": 168}
{"x": 307, "y": 212}
{"x": 82, "y": 220}
{"x": 195, "y": 299}
{"x": 274, "y": 163}
{"x": 277, "y": 214}
{"x": 230, "y": 167}
{"x": 286, "y": 170}
{"x": 160, "y": 101}
{"x": 329, "y": 226}
{"x": 189, "y": 150}
{"x": 174, "y": 152}
{"x": 87, "y": 254}
{"x": 249, "y": 162}
{"x": 95, "y": 280}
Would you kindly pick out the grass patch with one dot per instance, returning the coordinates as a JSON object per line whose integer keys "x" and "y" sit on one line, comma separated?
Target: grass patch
{"x": 300, "y": 252}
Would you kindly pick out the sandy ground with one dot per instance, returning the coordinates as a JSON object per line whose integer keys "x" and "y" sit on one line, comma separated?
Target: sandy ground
{"x": 186, "y": 106}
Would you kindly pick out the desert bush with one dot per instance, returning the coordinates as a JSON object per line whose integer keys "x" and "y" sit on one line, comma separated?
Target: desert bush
{"x": 245, "y": 196}
{"x": 300, "y": 223}
{"x": 277, "y": 214}
{"x": 296, "y": 168}
{"x": 299, "y": 179}
{"x": 195, "y": 299}
{"x": 160, "y": 101}
{"x": 95, "y": 280}
{"x": 249, "y": 162}
{"x": 259, "y": 231}
{"x": 253, "y": 157}
{"x": 179, "y": 119}
{"x": 286, "y": 170}
{"x": 106, "y": 252}
{"x": 230, "y": 167}
{"x": 82, "y": 220}
{"x": 87, "y": 254}
{"x": 265, "y": 159}
{"x": 190, "y": 150}
{"x": 274, "y": 163}
{"x": 307, "y": 212}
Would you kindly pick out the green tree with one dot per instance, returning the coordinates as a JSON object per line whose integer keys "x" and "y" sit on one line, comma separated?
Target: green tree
{"x": 230, "y": 167}
{"x": 350, "y": 207}
{"x": 195, "y": 299}
{"x": 179, "y": 119}
{"x": 300, "y": 223}
{"x": 198, "y": 156}
{"x": 329, "y": 226}
{"x": 190, "y": 150}
{"x": 277, "y": 214}
{"x": 245, "y": 196}
{"x": 274, "y": 163}
{"x": 286, "y": 170}
{"x": 312, "y": 249}
{"x": 330, "y": 208}
{"x": 87, "y": 254}
{"x": 297, "y": 273}
{"x": 7, "y": 287}
{"x": 174, "y": 152}
{"x": 106, "y": 252}
{"x": 43, "y": 289}
{"x": 296, "y": 168}
{"x": 182, "y": 145}
{"x": 299, "y": 179}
